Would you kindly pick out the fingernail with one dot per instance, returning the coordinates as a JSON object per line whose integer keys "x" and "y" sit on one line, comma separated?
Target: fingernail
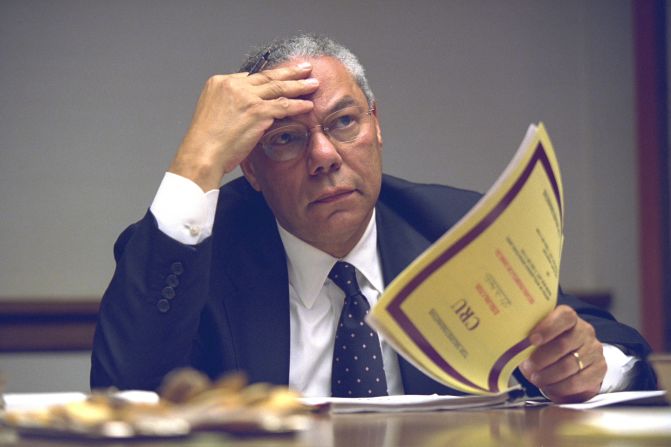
{"x": 304, "y": 65}
{"x": 311, "y": 81}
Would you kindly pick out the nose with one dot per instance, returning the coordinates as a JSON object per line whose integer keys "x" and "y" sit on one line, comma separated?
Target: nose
{"x": 323, "y": 156}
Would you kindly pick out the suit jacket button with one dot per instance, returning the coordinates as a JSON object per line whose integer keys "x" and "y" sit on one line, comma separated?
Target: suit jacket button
{"x": 163, "y": 306}
{"x": 168, "y": 292}
{"x": 177, "y": 268}
{"x": 172, "y": 280}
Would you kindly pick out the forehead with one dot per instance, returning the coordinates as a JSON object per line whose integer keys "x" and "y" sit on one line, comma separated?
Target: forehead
{"x": 335, "y": 81}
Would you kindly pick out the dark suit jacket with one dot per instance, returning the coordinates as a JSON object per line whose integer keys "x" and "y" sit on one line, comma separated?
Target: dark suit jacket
{"x": 224, "y": 304}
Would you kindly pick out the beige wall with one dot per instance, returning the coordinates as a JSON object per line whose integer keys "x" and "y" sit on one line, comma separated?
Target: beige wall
{"x": 95, "y": 95}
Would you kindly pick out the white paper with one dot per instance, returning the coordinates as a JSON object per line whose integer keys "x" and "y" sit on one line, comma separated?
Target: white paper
{"x": 407, "y": 403}
{"x": 602, "y": 400}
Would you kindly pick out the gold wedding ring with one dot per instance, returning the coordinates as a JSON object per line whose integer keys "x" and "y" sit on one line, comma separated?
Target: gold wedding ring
{"x": 577, "y": 359}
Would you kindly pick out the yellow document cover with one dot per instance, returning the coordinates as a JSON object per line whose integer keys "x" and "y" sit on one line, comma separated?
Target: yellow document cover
{"x": 462, "y": 311}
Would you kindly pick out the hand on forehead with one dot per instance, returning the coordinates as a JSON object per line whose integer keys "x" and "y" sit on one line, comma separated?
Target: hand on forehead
{"x": 337, "y": 87}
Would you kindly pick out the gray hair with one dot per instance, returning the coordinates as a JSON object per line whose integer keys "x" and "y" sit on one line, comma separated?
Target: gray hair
{"x": 312, "y": 45}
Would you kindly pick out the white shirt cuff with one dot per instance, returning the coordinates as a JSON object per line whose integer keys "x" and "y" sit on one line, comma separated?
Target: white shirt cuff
{"x": 619, "y": 369}
{"x": 183, "y": 211}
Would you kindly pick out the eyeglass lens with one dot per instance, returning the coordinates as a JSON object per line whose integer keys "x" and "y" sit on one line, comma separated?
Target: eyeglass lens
{"x": 289, "y": 141}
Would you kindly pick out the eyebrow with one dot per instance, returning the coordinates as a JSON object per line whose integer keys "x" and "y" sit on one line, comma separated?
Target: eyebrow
{"x": 346, "y": 101}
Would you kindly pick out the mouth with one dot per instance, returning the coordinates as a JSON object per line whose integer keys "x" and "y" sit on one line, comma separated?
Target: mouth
{"x": 333, "y": 196}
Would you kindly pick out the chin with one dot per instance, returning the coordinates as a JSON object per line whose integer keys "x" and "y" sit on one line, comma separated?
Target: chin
{"x": 345, "y": 223}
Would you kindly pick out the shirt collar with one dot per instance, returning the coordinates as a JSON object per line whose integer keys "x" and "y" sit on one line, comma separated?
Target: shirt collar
{"x": 309, "y": 267}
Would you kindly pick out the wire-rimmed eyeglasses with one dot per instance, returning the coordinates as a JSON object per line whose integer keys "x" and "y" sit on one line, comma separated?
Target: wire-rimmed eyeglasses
{"x": 288, "y": 142}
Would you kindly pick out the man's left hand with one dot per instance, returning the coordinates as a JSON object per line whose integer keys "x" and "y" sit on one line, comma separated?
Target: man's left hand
{"x": 568, "y": 364}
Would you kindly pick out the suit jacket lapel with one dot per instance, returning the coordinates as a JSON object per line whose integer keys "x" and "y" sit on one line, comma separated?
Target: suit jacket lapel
{"x": 257, "y": 304}
{"x": 399, "y": 244}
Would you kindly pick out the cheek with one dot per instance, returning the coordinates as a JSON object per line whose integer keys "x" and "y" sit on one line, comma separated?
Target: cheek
{"x": 277, "y": 202}
{"x": 282, "y": 193}
{"x": 368, "y": 164}
{"x": 271, "y": 177}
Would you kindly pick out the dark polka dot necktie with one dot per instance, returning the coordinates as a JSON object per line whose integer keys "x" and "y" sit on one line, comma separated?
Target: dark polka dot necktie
{"x": 357, "y": 359}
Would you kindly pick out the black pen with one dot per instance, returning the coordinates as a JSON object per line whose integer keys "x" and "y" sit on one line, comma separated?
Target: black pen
{"x": 260, "y": 63}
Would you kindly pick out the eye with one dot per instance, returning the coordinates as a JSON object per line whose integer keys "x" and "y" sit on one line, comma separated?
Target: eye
{"x": 342, "y": 121}
{"x": 284, "y": 137}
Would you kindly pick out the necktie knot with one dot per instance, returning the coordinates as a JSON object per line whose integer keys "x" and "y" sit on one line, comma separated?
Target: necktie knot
{"x": 343, "y": 274}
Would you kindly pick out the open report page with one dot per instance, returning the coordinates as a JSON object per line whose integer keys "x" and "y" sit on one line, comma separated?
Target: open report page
{"x": 462, "y": 311}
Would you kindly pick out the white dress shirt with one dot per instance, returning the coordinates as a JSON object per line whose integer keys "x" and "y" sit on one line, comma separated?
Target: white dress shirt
{"x": 315, "y": 305}
{"x": 186, "y": 213}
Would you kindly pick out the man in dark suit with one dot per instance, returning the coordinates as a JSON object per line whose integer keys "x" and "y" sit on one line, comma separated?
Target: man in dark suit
{"x": 249, "y": 287}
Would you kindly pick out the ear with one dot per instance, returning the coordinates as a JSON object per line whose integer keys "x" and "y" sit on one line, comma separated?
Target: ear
{"x": 249, "y": 171}
{"x": 377, "y": 124}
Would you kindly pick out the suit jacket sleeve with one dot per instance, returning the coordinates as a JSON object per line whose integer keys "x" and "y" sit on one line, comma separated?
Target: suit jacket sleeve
{"x": 150, "y": 313}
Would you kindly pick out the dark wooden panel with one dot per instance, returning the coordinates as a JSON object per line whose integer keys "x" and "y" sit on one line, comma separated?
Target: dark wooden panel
{"x": 47, "y": 325}
{"x": 652, "y": 126}
{"x": 28, "y": 325}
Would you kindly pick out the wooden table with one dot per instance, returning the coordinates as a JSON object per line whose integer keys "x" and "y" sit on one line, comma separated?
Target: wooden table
{"x": 546, "y": 426}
